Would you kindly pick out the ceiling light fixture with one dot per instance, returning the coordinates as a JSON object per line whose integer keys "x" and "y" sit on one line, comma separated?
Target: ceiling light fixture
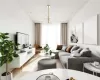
{"x": 48, "y": 6}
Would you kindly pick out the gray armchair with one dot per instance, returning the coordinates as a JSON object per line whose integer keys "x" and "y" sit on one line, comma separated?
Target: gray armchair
{"x": 76, "y": 63}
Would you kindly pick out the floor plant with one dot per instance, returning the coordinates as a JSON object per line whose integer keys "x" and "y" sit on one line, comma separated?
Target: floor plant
{"x": 7, "y": 50}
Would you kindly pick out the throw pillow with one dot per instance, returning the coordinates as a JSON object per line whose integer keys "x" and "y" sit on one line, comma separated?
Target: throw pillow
{"x": 64, "y": 47}
{"x": 85, "y": 53}
{"x": 75, "y": 48}
{"x": 59, "y": 47}
{"x": 69, "y": 48}
{"x": 75, "y": 54}
{"x": 78, "y": 50}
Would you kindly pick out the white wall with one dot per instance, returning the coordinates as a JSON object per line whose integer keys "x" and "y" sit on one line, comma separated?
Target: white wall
{"x": 13, "y": 19}
{"x": 92, "y": 8}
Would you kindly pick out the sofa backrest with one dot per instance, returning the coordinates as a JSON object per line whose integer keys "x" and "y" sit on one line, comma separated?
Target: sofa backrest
{"x": 94, "y": 49}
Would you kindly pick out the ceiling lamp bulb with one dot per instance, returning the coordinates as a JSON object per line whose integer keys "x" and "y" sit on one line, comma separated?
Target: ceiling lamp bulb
{"x": 48, "y": 6}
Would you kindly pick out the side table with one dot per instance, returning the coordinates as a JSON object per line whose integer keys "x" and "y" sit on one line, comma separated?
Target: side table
{"x": 91, "y": 67}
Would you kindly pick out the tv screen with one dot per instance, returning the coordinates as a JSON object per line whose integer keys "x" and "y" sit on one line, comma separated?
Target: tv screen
{"x": 22, "y": 39}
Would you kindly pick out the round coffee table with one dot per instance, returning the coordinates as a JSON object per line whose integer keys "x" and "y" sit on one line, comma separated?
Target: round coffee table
{"x": 90, "y": 67}
{"x": 62, "y": 74}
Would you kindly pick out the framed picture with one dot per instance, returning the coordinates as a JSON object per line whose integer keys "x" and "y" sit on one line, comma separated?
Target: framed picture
{"x": 77, "y": 34}
{"x": 73, "y": 37}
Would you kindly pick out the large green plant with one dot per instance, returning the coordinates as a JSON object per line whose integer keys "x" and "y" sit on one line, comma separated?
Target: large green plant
{"x": 7, "y": 50}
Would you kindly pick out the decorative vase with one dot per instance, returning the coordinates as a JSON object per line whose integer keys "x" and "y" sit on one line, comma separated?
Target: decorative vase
{"x": 50, "y": 52}
{"x": 8, "y": 77}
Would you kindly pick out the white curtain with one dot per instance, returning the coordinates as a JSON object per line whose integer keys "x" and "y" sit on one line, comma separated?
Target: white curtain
{"x": 50, "y": 34}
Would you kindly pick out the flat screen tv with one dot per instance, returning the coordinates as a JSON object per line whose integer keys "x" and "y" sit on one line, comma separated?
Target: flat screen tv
{"x": 22, "y": 39}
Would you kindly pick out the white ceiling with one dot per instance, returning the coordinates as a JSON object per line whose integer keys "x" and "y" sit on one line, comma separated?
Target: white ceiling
{"x": 60, "y": 10}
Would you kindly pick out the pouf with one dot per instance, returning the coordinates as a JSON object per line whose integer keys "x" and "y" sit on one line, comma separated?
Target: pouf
{"x": 46, "y": 64}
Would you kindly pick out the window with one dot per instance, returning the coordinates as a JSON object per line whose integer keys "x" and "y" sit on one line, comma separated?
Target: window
{"x": 50, "y": 35}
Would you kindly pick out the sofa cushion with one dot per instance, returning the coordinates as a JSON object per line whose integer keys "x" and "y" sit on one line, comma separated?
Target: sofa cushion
{"x": 64, "y": 60}
{"x": 75, "y": 54}
{"x": 59, "y": 47}
{"x": 68, "y": 49}
{"x": 63, "y": 54}
{"x": 75, "y": 48}
{"x": 78, "y": 50}
{"x": 64, "y": 47}
{"x": 85, "y": 53}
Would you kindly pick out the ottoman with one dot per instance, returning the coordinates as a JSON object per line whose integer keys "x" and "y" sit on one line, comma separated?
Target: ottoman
{"x": 46, "y": 64}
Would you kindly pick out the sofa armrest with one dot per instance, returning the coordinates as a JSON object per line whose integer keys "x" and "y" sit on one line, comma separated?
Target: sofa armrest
{"x": 77, "y": 62}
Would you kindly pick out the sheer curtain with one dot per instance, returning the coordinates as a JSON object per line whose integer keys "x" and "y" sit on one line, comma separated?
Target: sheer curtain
{"x": 50, "y": 34}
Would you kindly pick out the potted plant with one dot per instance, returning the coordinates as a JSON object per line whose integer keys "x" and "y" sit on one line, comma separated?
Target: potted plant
{"x": 8, "y": 52}
{"x": 46, "y": 48}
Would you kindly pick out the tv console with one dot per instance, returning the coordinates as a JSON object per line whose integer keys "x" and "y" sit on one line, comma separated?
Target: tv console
{"x": 23, "y": 58}
{"x": 19, "y": 61}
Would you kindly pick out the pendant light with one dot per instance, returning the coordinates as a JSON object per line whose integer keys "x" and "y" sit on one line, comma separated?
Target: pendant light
{"x": 48, "y": 6}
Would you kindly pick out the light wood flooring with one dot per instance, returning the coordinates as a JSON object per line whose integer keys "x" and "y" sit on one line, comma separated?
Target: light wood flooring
{"x": 30, "y": 66}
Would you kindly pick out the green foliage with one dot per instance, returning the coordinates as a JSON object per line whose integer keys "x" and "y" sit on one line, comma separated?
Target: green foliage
{"x": 7, "y": 49}
{"x": 46, "y": 48}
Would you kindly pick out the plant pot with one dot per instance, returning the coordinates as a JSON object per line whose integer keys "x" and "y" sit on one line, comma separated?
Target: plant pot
{"x": 8, "y": 77}
{"x": 46, "y": 53}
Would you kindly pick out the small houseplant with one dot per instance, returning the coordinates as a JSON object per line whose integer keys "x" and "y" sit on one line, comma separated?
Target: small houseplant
{"x": 8, "y": 52}
{"x": 46, "y": 48}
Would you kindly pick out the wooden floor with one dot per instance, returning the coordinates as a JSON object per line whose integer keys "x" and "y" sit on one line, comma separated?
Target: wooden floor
{"x": 19, "y": 70}
{"x": 30, "y": 66}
